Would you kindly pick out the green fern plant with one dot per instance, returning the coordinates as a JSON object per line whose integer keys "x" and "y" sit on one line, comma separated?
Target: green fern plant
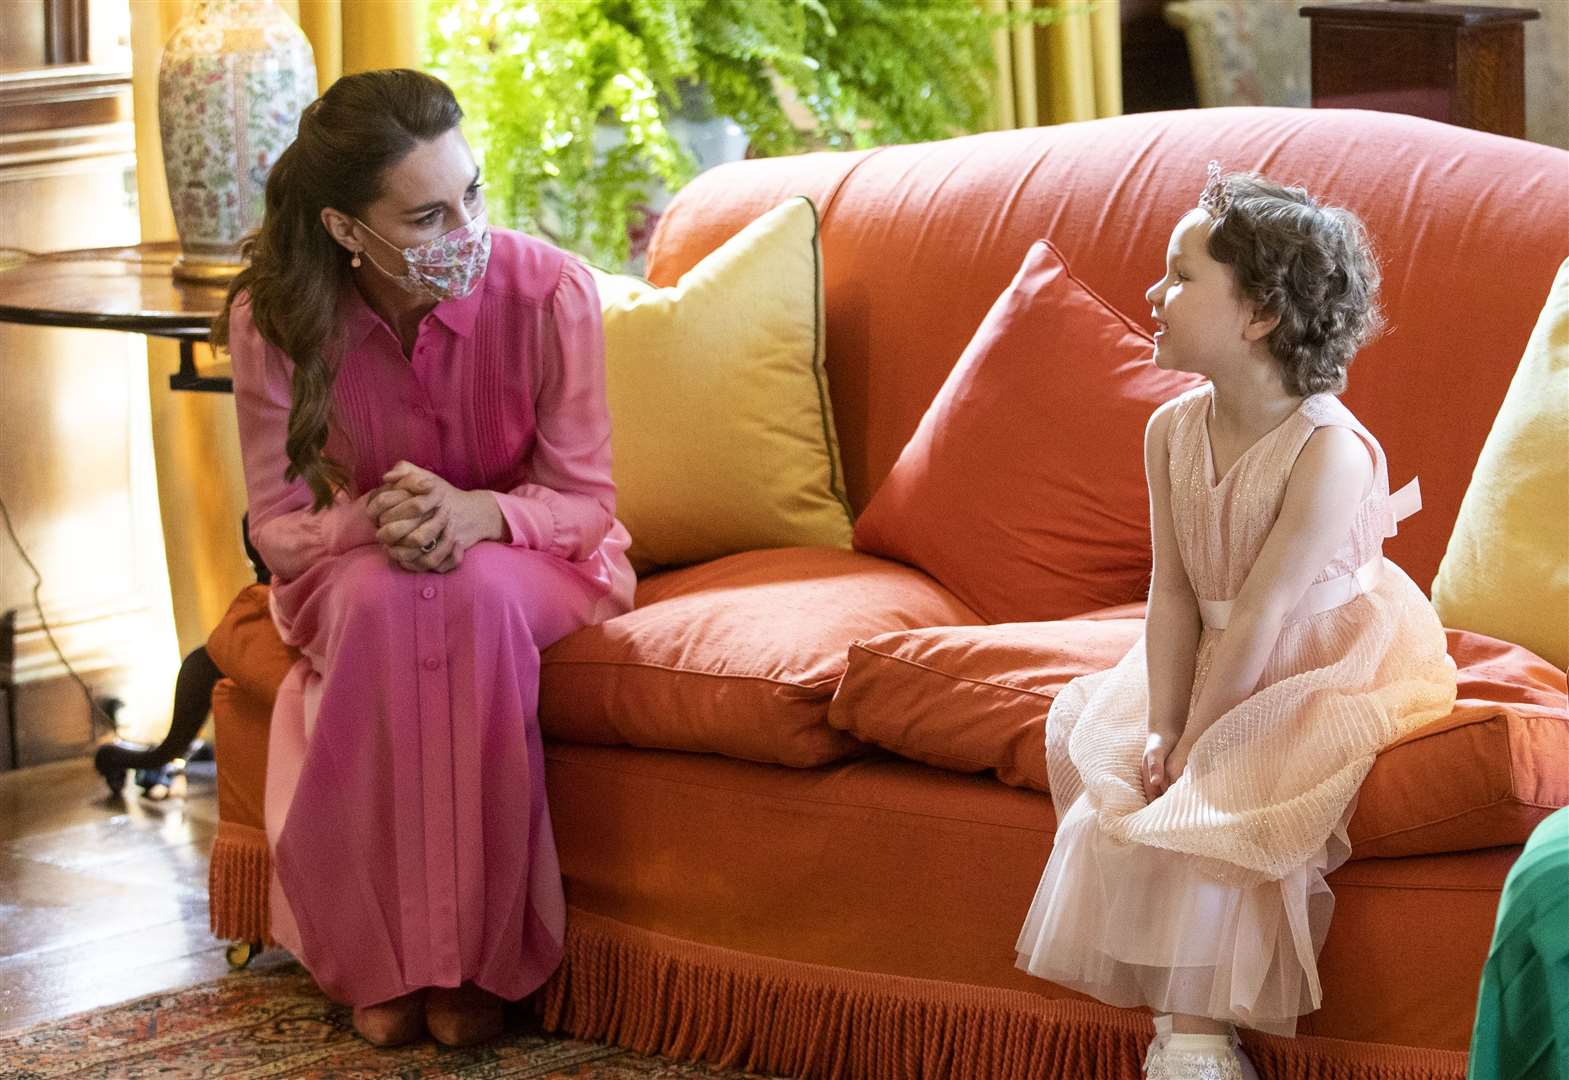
{"x": 537, "y": 78}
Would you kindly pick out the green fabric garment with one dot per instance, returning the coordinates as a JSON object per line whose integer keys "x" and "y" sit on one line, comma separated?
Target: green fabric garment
{"x": 1522, "y": 1014}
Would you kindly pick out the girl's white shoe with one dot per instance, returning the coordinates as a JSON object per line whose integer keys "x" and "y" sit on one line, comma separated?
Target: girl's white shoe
{"x": 1175, "y": 1056}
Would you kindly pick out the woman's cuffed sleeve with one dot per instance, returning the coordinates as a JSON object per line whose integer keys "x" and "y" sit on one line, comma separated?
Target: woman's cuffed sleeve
{"x": 288, "y": 534}
{"x": 568, "y": 505}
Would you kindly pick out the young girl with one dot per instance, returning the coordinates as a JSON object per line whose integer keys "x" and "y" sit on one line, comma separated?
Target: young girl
{"x": 1204, "y": 783}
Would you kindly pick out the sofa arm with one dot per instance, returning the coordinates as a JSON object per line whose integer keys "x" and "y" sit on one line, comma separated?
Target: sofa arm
{"x": 246, "y": 646}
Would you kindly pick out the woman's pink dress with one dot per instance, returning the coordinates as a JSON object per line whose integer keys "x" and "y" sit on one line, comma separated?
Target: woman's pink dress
{"x": 1211, "y": 898}
{"x": 405, "y": 801}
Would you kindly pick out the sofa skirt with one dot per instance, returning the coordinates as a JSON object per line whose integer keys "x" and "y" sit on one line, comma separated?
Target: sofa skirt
{"x": 856, "y": 921}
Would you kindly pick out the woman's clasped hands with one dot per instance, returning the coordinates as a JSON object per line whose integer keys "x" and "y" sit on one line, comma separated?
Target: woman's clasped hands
{"x": 426, "y": 524}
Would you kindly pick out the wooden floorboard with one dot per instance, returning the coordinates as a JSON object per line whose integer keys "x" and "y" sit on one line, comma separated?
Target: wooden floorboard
{"x": 102, "y": 899}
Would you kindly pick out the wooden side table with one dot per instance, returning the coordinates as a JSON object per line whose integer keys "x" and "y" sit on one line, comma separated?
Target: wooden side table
{"x": 1460, "y": 64}
{"x": 132, "y": 290}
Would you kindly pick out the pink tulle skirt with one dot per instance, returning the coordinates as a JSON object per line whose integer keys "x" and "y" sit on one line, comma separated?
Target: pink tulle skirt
{"x": 1132, "y": 925}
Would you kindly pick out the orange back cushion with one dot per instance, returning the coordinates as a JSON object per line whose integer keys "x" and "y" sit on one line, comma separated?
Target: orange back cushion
{"x": 918, "y": 241}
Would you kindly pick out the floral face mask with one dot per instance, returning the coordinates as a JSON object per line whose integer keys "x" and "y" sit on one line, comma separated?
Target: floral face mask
{"x": 446, "y": 268}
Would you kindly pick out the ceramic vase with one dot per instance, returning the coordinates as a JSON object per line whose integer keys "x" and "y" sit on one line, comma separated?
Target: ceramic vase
{"x": 232, "y": 82}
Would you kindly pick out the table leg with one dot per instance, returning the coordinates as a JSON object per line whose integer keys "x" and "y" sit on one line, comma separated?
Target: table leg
{"x": 192, "y": 701}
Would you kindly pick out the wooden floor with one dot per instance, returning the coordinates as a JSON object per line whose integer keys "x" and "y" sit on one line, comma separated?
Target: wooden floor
{"x": 101, "y": 899}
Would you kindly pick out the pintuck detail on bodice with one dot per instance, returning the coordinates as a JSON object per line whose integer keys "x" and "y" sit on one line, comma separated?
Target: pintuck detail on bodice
{"x": 1222, "y": 522}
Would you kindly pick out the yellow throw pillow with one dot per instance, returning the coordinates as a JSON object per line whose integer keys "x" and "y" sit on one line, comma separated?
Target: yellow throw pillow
{"x": 1506, "y": 572}
{"x": 721, "y": 431}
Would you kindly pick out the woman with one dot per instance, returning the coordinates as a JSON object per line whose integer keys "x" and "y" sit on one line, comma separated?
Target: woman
{"x": 427, "y": 456}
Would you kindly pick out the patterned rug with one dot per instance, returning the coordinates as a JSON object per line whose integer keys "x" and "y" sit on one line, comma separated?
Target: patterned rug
{"x": 274, "y": 1022}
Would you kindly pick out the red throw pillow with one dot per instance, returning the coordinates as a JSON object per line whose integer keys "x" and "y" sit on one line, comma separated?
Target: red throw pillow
{"x": 1022, "y": 490}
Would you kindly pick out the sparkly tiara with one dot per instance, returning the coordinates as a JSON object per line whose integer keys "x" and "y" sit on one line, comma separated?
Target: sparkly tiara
{"x": 1215, "y": 199}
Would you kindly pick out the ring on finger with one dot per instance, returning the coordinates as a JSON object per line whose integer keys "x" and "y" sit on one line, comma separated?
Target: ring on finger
{"x": 430, "y": 545}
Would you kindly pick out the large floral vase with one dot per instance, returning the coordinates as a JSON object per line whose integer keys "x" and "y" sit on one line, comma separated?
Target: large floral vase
{"x": 234, "y": 78}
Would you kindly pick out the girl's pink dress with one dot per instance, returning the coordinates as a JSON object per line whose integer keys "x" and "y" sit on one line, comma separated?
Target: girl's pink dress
{"x": 405, "y": 800}
{"x": 1211, "y": 899}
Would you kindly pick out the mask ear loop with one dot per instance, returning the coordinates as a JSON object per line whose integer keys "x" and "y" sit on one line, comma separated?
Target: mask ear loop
{"x": 366, "y": 251}
{"x": 374, "y": 263}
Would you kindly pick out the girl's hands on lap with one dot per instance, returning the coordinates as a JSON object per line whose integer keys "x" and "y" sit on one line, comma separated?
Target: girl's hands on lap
{"x": 415, "y": 509}
{"x": 1161, "y": 765}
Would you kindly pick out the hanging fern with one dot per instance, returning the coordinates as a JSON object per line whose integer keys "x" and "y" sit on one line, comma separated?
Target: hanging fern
{"x": 538, "y": 78}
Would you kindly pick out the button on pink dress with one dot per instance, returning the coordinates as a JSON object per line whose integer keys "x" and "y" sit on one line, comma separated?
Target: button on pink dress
{"x": 1211, "y": 898}
{"x": 405, "y": 801}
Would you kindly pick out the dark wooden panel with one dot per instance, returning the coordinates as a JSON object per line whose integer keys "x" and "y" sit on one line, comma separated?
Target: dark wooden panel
{"x": 1454, "y": 63}
{"x": 1414, "y": 72}
{"x": 8, "y": 737}
{"x": 1417, "y": 12}
{"x": 1490, "y": 80}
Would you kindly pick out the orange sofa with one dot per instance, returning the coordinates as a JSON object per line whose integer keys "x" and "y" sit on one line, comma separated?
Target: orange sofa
{"x": 856, "y": 918}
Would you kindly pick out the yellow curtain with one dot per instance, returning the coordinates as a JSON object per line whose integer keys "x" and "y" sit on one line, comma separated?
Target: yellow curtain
{"x": 201, "y": 488}
{"x": 1068, "y": 70}
{"x": 360, "y": 35}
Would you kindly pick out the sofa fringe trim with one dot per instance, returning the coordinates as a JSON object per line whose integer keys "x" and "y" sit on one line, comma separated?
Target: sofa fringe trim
{"x": 238, "y": 878}
{"x": 657, "y": 994}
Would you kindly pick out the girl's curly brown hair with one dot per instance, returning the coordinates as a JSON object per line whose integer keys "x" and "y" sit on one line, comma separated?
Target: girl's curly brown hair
{"x": 1310, "y": 264}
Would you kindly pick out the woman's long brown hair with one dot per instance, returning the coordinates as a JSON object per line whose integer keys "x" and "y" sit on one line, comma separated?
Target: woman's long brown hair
{"x": 349, "y": 137}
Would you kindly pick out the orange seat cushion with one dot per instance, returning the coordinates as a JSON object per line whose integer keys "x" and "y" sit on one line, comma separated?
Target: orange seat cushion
{"x": 1022, "y": 490}
{"x": 974, "y": 699}
{"x": 738, "y": 656}
{"x": 1484, "y": 775}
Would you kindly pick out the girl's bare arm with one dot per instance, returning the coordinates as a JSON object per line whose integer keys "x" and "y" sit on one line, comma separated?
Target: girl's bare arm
{"x": 1171, "y": 632}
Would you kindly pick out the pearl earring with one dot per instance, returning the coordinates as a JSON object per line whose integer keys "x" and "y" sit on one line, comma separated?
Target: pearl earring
{"x": 355, "y": 262}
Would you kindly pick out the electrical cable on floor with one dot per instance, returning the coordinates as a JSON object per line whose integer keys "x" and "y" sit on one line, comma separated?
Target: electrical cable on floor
{"x": 38, "y": 606}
